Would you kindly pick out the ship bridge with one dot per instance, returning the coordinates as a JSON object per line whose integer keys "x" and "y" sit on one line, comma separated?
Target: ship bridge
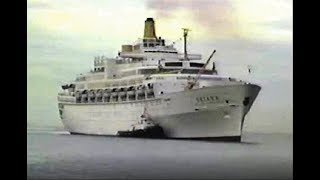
{"x": 151, "y": 47}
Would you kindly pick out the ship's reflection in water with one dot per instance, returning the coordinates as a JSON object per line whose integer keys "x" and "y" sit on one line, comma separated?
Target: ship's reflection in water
{"x": 59, "y": 155}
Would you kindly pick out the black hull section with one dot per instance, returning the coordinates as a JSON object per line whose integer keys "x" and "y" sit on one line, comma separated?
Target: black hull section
{"x": 138, "y": 135}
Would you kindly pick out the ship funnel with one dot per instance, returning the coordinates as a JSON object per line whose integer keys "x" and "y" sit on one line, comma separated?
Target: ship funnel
{"x": 149, "y": 29}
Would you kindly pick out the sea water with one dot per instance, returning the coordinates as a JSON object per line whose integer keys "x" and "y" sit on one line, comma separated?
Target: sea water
{"x": 58, "y": 155}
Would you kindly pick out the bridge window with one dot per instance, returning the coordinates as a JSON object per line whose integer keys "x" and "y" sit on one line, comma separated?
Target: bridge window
{"x": 171, "y": 71}
{"x": 172, "y": 52}
{"x": 173, "y": 64}
{"x": 196, "y": 64}
{"x": 129, "y": 73}
{"x": 136, "y": 47}
{"x": 195, "y": 71}
{"x": 147, "y": 71}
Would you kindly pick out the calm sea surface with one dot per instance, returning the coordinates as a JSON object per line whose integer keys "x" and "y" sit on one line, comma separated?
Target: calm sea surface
{"x": 58, "y": 155}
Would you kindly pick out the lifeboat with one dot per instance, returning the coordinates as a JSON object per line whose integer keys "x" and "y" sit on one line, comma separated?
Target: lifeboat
{"x": 92, "y": 93}
{"x": 71, "y": 88}
{"x": 150, "y": 91}
{"x": 122, "y": 92}
{"x": 106, "y": 93}
{"x": 77, "y": 94}
{"x": 114, "y": 92}
{"x": 131, "y": 91}
{"x": 140, "y": 90}
{"x": 84, "y": 94}
{"x": 99, "y": 93}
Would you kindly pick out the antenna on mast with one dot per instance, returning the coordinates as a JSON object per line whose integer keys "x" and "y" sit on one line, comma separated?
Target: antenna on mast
{"x": 185, "y": 34}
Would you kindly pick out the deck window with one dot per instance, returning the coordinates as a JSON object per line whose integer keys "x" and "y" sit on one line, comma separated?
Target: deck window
{"x": 174, "y": 64}
{"x": 195, "y": 71}
{"x": 196, "y": 64}
{"x": 147, "y": 71}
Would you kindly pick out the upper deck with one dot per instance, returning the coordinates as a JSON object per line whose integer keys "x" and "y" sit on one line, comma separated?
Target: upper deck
{"x": 146, "y": 57}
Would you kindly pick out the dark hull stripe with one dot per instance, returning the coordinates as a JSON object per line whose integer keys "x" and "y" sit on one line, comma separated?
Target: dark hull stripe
{"x": 223, "y": 138}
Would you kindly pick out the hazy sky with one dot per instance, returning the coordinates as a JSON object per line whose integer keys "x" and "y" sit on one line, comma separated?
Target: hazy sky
{"x": 65, "y": 35}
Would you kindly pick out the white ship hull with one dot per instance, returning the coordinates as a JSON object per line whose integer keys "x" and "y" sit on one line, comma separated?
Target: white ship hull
{"x": 208, "y": 112}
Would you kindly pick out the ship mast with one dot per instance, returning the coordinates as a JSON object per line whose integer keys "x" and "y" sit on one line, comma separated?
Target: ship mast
{"x": 185, "y": 34}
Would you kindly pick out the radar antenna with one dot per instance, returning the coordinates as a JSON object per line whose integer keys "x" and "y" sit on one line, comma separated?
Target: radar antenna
{"x": 185, "y": 34}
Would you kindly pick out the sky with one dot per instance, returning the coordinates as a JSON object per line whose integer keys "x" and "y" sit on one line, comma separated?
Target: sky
{"x": 63, "y": 36}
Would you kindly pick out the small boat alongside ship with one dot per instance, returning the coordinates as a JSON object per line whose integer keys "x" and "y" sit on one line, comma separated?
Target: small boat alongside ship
{"x": 144, "y": 128}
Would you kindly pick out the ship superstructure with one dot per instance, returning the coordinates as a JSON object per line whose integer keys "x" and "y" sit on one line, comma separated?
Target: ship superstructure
{"x": 182, "y": 95}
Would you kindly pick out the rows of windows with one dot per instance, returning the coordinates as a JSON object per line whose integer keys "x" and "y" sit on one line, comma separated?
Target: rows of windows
{"x": 99, "y": 69}
{"x": 147, "y": 71}
{"x": 153, "y": 42}
{"x": 196, "y": 71}
{"x": 136, "y": 47}
{"x": 172, "y": 52}
{"x": 113, "y": 96}
{"x": 174, "y": 71}
{"x": 186, "y": 71}
{"x": 199, "y": 65}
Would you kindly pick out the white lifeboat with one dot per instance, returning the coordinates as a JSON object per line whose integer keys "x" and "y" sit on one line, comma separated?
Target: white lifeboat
{"x": 106, "y": 92}
{"x": 99, "y": 93}
{"x": 131, "y": 91}
{"x": 92, "y": 93}
{"x": 140, "y": 89}
{"x": 122, "y": 92}
{"x": 150, "y": 89}
{"x": 114, "y": 92}
{"x": 77, "y": 94}
{"x": 84, "y": 94}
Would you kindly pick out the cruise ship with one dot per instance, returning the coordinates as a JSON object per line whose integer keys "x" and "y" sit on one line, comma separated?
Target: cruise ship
{"x": 178, "y": 91}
